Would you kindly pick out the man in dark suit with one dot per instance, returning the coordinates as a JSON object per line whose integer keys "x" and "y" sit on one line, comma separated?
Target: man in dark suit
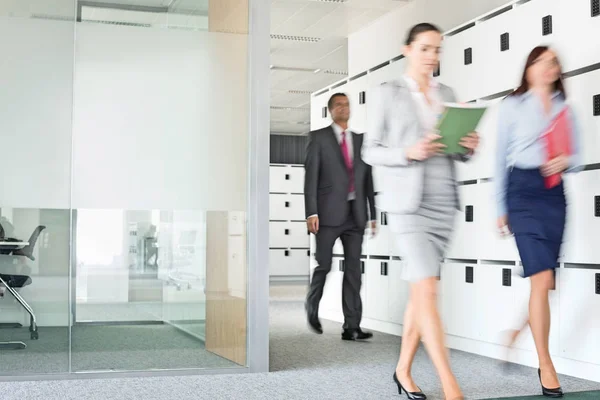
{"x": 337, "y": 187}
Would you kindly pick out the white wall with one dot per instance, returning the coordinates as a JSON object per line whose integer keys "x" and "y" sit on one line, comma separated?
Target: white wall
{"x": 383, "y": 40}
{"x": 160, "y": 119}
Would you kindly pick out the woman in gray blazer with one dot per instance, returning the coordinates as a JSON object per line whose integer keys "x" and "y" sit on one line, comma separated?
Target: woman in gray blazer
{"x": 419, "y": 194}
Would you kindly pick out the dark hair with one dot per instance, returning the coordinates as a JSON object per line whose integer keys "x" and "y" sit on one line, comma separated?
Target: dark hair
{"x": 418, "y": 29}
{"x": 332, "y": 98}
{"x": 533, "y": 56}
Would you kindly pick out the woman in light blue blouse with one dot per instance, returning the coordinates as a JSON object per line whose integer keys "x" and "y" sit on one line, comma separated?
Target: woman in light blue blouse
{"x": 534, "y": 214}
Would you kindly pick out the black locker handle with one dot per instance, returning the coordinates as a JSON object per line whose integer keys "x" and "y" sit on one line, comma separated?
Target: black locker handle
{"x": 362, "y": 267}
{"x": 596, "y": 206}
{"x": 469, "y": 275}
{"x": 384, "y": 268}
{"x": 287, "y": 177}
{"x": 596, "y": 106}
{"x": 469, "y": 214}
{"x": 287, "y": 253}
{"x": 287, "y": 231}
{"x": 595, "y": 8}
{"x": 287, "y": 204}
{"x": 342, "y": 267}
{"x": 547, "y": 25}
{"x": 506, "y": 277}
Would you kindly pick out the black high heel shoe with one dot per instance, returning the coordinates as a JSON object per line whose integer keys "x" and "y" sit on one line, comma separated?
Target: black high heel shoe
{"x": 410, "y": 395}
{"x": 554, "y": 393}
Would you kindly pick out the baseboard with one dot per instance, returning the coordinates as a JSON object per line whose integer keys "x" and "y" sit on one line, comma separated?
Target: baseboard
{"x": 289, "y": 279}
{"x": 528, "y": 358}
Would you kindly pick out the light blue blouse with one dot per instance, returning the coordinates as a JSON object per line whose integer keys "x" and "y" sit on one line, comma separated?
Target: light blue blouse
{"x": 521, "y": 123}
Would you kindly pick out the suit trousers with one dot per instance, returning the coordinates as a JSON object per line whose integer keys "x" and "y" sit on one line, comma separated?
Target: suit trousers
{"x": 352, "y": 237}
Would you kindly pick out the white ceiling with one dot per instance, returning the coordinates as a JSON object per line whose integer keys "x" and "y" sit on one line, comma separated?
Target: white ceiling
{"x": 330, "y": 22}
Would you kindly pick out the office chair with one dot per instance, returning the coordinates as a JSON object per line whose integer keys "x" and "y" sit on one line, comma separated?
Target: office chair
{"x": 12, "y": 282}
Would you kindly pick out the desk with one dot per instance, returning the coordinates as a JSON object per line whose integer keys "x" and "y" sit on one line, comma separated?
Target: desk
{"x": 12, "y": 245}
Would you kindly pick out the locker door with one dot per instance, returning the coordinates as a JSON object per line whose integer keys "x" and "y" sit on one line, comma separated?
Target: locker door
{"x": 583, "y": 222}
{"x": 295, "y": 207}
{"x": 357, "y": 93}
{"x": 539, "y": 23}
{"x": 501, "y": 41}
{"x": 578, "y": 22}
{"x": 296, "y": 180}
{"x": 277, "y": 179}
{"x": 498, "y": 300}
{"x": 462, "y": 65}
{"x": 580, "y": 320}
{"x": 376, "y": 275}
{"x": 462, "y": 306}
{"x": 320, "y": 117}
{"x": 380, "y": 244}
{"x": 277, "y": 207}
{"x": 466, "y": 227}
{"x": 491, "y": 245}
{"x": 584, "y": 97}
{"x": 398, "y": 293}
{"x": 388, "y": 73}
{"x": 331, "y": 302}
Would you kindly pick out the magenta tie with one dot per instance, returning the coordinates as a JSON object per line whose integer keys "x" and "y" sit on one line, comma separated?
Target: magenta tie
{"x": 348, "y": 161}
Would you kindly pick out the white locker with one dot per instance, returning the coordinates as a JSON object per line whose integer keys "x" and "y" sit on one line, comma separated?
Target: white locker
{"x": 286, "y": 207}
{"x": 530, "y": 18}
{"x": 502, "y": 42}
{"x": 380, "y": 245}
{"x": 331, "y": 302}
{"x": 398, "y": 293}
{"x": 462, "y": 308}
{"x": 296, "y": 179}
{"x": 376, "y": 277}
{"x": 319, "y": 114}
{"x": 583, "y": 225}
{"x": 288, "y": 235}
{"x": 522, "y": 293}
{"x": 580, "y": 320}
{"x": 490, "y": 244}
{"x": 294, "y": 262}
{"x": 466, "y": 228}
{"x": 581, "y": 90}
{"x": 577, "y": 34}
{"x": 390, "y": 72}
{"x": 237, "y": 223}
{"x": 357, "y": 94}
{"x": 461, "y": 65}
{"x": 498, "y": 300}
{"x": 277, "y": 179}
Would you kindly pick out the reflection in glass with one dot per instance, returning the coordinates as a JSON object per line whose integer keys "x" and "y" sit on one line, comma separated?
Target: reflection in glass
{"x": 141, "y": 290}
{"x": 34, "y": 302}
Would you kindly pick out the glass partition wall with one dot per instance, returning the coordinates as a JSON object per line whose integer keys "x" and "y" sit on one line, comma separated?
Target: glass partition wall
{"x": 124, "y": 200}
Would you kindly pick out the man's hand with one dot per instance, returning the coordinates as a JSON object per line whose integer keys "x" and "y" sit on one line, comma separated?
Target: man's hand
{"x": 312, "y": 223}
{"x": 373, "y": 226}
{"x": 555, "y": 166}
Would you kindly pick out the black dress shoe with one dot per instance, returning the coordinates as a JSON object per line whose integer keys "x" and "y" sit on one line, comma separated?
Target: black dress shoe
{"x": 554, "y": 393}
{"x": 411, "y": 395}
{"x": 312, "y": 317}
{"x": 356, "y": 334}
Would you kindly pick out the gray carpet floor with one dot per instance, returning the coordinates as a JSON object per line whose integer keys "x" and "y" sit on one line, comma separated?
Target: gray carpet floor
{"x": 307, "y": 366}
{"x": 106, "y": 348}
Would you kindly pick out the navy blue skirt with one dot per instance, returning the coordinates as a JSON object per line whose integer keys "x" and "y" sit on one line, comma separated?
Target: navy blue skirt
{"x": 536, "y": 216}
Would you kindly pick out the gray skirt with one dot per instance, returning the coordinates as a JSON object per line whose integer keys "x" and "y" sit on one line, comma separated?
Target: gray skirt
{"x": 421, "y": 238}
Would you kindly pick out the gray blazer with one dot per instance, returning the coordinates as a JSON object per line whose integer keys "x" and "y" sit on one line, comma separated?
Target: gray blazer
{"x": 394, "y": 126}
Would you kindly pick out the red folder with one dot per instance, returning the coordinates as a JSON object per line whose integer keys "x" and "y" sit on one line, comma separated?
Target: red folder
{"x": 558, "y": 142}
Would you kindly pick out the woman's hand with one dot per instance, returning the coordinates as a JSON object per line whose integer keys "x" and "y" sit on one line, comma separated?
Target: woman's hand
{"x": 470, "y": 142}
{"x": 425, "y": 148}
{"x": 555, "y": 166}
{"x": 503, "y": 227}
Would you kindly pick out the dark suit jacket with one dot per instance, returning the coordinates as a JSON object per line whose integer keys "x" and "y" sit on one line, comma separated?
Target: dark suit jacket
{"x": 326, "y": 181}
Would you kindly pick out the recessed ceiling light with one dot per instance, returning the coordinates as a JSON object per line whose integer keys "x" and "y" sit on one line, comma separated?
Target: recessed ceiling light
{"x": 300, "y": 91}
{"x": 294, "y": 38}
{"x": 291, "y": 69}
{"x": 330, "y": 1}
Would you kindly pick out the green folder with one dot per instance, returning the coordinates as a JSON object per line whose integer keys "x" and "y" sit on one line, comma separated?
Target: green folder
{"x": 457, "y": 121}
